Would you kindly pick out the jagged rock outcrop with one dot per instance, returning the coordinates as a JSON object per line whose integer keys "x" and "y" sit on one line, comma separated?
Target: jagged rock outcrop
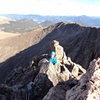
{"x": 63, "y": 60}
{"x": 88, "y": 88}
{"x": 47, "y": 77}
{"x": 80, "y": 43}
{"x": 50, "y": 75}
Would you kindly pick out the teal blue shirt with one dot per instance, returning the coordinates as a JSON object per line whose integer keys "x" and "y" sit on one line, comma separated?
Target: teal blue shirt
{"x": 53, "y": 61}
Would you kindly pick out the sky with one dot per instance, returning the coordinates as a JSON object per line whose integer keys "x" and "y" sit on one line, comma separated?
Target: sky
{"x": 51, "y": 7}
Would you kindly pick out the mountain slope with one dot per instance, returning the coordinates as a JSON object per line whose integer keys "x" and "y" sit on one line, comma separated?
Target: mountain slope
{"x": 80, "y": 43}
{"x": 83, "y": 20}
{"x": 19, "y": 26}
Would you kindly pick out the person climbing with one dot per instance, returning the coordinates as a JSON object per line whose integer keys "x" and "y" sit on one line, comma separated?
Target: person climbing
{"x": 52, "y": 58}
{"x": 59, "y": 51}
{"x": 63, "y": 60}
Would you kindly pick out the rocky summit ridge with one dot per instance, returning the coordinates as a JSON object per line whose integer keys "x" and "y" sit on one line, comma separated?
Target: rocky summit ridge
{"x": 76, "y": 79}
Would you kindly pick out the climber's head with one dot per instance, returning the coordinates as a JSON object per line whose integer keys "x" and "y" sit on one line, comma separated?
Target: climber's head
{"x": 54, "y": 42}
{"x": 52, "y": 54}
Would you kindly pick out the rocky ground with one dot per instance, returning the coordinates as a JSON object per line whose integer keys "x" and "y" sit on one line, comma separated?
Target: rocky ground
{"x": 87, "y": 88}
{"x": 47, "y": 84}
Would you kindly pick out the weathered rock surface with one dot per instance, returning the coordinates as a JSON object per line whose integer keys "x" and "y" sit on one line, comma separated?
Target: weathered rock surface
{"x": 88, "y": 88}
{"x": 50, "y": 75}
{"x": 47, "y": 77}
{"x": 51, "y": 84}
{"x": 59, "y": 91}
{"x": 63, "y": 60}
{"x": 76, "y": 70}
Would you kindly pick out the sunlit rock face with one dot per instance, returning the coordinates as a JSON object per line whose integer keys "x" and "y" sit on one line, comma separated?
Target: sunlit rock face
{"x": 88, "y": 87}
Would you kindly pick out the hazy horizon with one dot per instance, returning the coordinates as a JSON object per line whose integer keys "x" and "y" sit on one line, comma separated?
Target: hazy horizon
{"x": 48, "y": 15}
{"x": 51, "y": 7}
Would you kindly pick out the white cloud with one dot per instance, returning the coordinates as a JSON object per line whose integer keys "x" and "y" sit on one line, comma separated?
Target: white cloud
{"x": 50, "y": 7}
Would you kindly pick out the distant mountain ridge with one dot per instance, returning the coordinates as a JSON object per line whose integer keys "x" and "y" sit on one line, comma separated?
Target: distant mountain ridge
{"x": 83, "y": 20}
{"x": 27, "y": 23}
